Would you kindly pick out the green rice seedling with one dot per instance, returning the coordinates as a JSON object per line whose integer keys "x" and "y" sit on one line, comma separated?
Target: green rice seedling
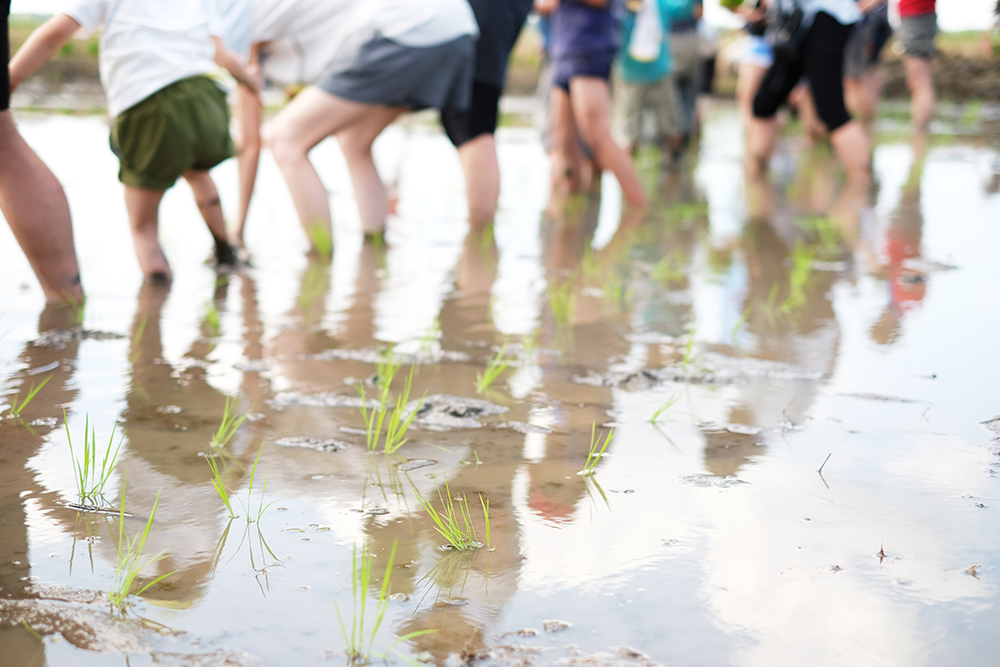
{"x": 131, "y": 561}
{"x": 18, "y": 406}
{"x": 364, "y": 626}
{"x": 689, "y": 349}
{"x": 31, "y": 630}
{"x": 597, "y": 449}
{"x": 322, "y": 240}
{"x": 261, "y": 507}
{"x": 667, "y": 404}
{"x": 454, "y": 523}
{"x": 212, "y": 319}
{"x": 561, "y": 301}
{"x": 387, "y": 365}
{"x": 494, "y": 368}
{"x": 397, "y": 426}
{"x": 219, "y": 485}
{"x": 136, "y": 339}
{"x": 230, "y": 422}
{"x": 90, "y": 477}
{"x": 668, "y": 270}
{"x": 373, "y": 418}
{"x": 803, "y": 257}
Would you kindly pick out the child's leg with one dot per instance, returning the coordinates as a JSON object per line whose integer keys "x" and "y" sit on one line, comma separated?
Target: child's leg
{"x": 311, "y": 117}
{"x": 143, "y": 216}
{"x": 207, "y": 198}
{"x": 35, "y": 207}
{"x": 591, "y": 101}
{"x": 567, "y": 158}
{"x": 356, "y": 144}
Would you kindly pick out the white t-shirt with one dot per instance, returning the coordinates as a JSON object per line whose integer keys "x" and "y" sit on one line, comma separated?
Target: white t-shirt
{"x": 845, "y": 11}
{"x": 303, "y": 36}
{"x": 306, "y": 36}
{"x": 146, "y": 44}
{"x": 233, "y": 19}
{"x": 424, "y": 22}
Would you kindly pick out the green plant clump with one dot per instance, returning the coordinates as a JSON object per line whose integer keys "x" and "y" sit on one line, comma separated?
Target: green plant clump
{"x": 359, "y": 640}
{"x": 454, "y": 522}
{"x": 92, "y": 476}
{"x": 230, "y": 423}
{"x": 597, "y": 449}
{"x": 494, "y": 368}
{"x": 130, "y": 559}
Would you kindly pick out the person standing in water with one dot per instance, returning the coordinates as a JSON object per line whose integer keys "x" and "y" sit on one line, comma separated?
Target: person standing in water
{"x": 471, "y": 130}
{"x": 170, "y": 120}
{"x": 584, "y": 46}
{"x": 405, "y": 55}
{"x": 33, "y": 202}
{"x": 917, "y": 30}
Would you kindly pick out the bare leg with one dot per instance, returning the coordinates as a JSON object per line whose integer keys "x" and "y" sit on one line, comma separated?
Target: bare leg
{"x": 311, "y": 117}
{"x": 591, "y": 101}
{"x": 567, "y": 157}
{"x": 35, "y": 207}
{"x": 248, "y": 115}
{"x": 850, "y": 141}
{"x": 482, "y": 178}
{"x": 356, "y": 144}
{"x": 760, "y": 144}
{"x": 747, "y": 83}
{"x": 920, "y": 80}
{"x": 206, "y": 196}
{"x": 143, "y": 216}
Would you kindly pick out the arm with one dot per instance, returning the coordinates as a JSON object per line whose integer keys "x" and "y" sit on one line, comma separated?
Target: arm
{"x": 244, "y": 75}
{"x": 546, "y": 6}
{"x": 248, "y": 112}
{"x": 40, "y": 46}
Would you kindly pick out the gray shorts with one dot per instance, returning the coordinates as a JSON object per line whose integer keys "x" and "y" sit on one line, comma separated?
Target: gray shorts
{"x": 659, "y": 97}
{"x": 393, "y": 74}
{"x": 916, "y": 34}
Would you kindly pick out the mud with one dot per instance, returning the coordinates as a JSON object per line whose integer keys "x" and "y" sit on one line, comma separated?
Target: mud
{"x": 803, "y": 465}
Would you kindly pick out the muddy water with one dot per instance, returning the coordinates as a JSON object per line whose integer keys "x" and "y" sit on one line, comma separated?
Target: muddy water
{"x": 790, "y": 326}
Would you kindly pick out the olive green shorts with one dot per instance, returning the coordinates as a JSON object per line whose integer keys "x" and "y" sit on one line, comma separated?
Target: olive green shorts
{"x": 178, "y": 128}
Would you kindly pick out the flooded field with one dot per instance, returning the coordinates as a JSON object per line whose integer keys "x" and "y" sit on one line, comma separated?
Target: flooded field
{"x": 791, "y": 385}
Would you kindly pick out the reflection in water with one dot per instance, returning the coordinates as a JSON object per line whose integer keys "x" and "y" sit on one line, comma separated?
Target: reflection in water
{"x": 723, "y": 334}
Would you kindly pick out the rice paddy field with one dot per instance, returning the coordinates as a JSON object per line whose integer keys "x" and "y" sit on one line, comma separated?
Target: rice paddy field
{"x": 750, "y": 427}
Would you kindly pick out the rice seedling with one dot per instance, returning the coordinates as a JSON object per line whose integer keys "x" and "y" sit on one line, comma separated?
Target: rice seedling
{"x": 230, "y": 422}
{"x": 396, "y": 424}
{"x": 689, "y": 349}
{"x": 494, "y": 368}
{"x": 90, "y": 477}
{"x": 740, "y": 323}
{"x": 454, "y": 521}
{"x": 261, "y": 507}
{"x": 212, "y": 319}
{"x": 597, "y": 449}
{"x": 136, "y": 339}
{"x": 387, "y": 365}
{"x": 18, "y": 406}
{"x": 667, "y": 404}
{"x": 131, "y": 561}
{"x": 364, "y": 627}
{"x": 561, "y": 301}
{"x": 820, "y": 471}
{"x": 322, "y": 240}
{"x": 668, "y": 270}
{"x": 219, "y": 485}
{"x": 315, "y": 281}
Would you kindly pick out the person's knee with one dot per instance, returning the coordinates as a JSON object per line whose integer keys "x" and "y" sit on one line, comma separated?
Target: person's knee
{"x": 281, "y": 142}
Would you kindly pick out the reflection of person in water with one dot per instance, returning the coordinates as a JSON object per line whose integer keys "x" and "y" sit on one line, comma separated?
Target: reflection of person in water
{"x": 897, "y": 250}
{"x": 18, "y": 484}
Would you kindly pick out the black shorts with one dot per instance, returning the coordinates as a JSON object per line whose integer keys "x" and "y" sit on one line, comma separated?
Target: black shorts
{"x": 463, "y": 125}
{"x": 5, "y": 46}
{"x": 822, "y": 62}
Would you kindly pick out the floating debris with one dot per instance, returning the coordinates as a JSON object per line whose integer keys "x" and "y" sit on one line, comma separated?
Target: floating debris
{"x": 444, "y": 412}
{"x": 326, "y": 399}
{"x": 415, "y": 464}
{"x": 168, "y": 409}
{"x": 881, "y": 397}
{"x": 58, "y": 339}
{"x": 373, "y": 355}
{"x": 318, "y": 444}
{"x": 713, "y": 369}
{"x": 94, "y": 509}
{"x": 713, "y": 481}
{"x": 524, "y": 427}
{"x": 553, "y": 625}
{"x": 399, "y": 597}
{"x": 375, "y": 511}
{"x": 450, "y": 602}
{"x": 743, "y": 429}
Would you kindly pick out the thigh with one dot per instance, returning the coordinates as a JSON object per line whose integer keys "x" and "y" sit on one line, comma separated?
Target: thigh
{"x": 313, "y": 116}
{"x": 361, "y": 134}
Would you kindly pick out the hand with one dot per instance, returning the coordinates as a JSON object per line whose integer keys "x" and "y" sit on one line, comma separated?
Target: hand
{"x": 546, "y": 6}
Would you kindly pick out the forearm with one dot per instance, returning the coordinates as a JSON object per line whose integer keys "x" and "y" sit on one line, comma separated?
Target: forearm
{"x": 249, "y": 112}
{"x": 227, "y": 59}
{"x": 40, "y": 47}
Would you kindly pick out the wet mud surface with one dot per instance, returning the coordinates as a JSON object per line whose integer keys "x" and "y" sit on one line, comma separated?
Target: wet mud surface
{"x": 798, "y": 397}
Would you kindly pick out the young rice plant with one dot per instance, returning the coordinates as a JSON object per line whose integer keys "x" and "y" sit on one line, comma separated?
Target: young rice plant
{"x": 92, "y": 472}
{"x": 454, "y": 521}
